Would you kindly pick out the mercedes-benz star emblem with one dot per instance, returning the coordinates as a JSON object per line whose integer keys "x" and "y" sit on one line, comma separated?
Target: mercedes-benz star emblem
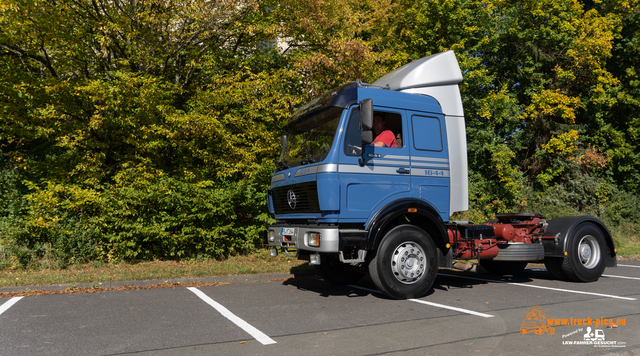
{"x": 291, "y": 198}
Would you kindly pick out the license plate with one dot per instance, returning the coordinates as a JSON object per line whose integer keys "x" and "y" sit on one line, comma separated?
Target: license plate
{"x": 287, "y": 231}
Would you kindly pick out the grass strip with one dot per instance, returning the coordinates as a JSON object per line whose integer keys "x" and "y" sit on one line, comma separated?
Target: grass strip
{"x": 258, "y": 262}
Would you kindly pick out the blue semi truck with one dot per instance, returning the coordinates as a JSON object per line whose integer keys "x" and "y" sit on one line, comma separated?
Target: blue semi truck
{"x": 352, "y": 206}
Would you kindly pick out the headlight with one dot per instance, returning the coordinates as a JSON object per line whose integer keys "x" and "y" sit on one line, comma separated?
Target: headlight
{"x": 272, "y": 235}
{"x": 313, "y": 239}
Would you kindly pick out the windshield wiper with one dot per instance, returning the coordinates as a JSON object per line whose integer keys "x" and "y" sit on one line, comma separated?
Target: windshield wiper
{"x": 305, "y": 157}
{"x": 282, "y": 166}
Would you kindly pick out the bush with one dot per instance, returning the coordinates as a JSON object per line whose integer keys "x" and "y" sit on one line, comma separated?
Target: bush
{"x": 145, "y": 215}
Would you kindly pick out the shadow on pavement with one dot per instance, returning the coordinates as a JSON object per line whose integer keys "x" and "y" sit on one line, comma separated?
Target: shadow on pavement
{"x": 445, "y": 280}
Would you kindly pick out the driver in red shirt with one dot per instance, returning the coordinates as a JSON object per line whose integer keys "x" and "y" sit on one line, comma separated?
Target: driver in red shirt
{"x": 384, "y": 137}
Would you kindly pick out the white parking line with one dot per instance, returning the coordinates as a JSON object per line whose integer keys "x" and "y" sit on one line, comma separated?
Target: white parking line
{"x": 433, "y": 304}
{"x": 8, "y": 304}
{"x": 452, "y": 308}
{"x": 608, "y": 275}
{"x": 628, "y": 266}
{"x": 257, "y": 334}
{"x": 540, "y": 287}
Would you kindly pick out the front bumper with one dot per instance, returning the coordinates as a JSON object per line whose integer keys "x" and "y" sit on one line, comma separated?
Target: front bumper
{"x": 297, "y": 237}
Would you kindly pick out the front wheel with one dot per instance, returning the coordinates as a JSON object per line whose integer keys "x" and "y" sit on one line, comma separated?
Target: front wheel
{"x": 406, "y": 263}
{"x": 584, "y": 261}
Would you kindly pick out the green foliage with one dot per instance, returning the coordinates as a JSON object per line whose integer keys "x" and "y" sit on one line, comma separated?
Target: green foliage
{"x": 144, "y": 215}
{"x": 338, "y": 41}
{"x": 153, "y": 216}
{"x": 137, "y": 130}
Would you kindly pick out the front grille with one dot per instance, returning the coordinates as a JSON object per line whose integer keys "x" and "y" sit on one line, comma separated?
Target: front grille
{"x": 306, "y": 198}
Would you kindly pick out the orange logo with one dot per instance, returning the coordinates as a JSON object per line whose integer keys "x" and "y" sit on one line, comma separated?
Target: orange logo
{"x": 536, "y": 322}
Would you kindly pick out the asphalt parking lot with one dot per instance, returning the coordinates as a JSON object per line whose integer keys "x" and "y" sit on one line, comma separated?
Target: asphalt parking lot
{"x": 470, "y": 313}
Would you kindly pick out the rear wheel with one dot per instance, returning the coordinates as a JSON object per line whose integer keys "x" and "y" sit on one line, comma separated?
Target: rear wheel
{"x": 586, "y": 251}
{"x": 503, "y": 267}
{"x": 338, "y": 273}
{"x": 406, "y": 263}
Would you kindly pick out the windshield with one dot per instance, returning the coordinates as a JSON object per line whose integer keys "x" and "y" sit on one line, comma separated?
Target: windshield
{"x": 309, "y": 139}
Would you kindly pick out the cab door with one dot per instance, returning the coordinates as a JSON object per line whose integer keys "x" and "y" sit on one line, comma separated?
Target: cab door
{"x": 386, "y": 174}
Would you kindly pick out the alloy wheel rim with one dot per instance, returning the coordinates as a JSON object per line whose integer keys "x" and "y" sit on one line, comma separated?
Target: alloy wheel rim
{"x": 408, "y": 262}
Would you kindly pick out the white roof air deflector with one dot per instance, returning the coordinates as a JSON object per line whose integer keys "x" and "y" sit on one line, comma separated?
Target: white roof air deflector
{"x": 438, "y": 69}
{"x": 437, "y": 76}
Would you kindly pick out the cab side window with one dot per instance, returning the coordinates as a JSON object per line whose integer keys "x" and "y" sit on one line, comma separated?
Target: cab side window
{"x": 392, "y": 122}
{"x": 429, "y": 137}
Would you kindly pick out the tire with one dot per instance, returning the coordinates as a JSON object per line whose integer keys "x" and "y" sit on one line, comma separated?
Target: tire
{"x": 406, "y": 263}
{"x": 338, "y": 273}
{"x": 554, "y": 266}
{"x": 503, "y": 267}
{"x": 585, "y": 259}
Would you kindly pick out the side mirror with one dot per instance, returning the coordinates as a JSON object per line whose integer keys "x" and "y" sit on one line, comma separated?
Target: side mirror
{"x": 366, "y": 126}
{"x": 366, "y": 121}
{"x": 283, "y": 143}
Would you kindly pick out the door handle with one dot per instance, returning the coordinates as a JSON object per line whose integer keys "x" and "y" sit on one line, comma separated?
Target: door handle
{"x": 403, "y": 171}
